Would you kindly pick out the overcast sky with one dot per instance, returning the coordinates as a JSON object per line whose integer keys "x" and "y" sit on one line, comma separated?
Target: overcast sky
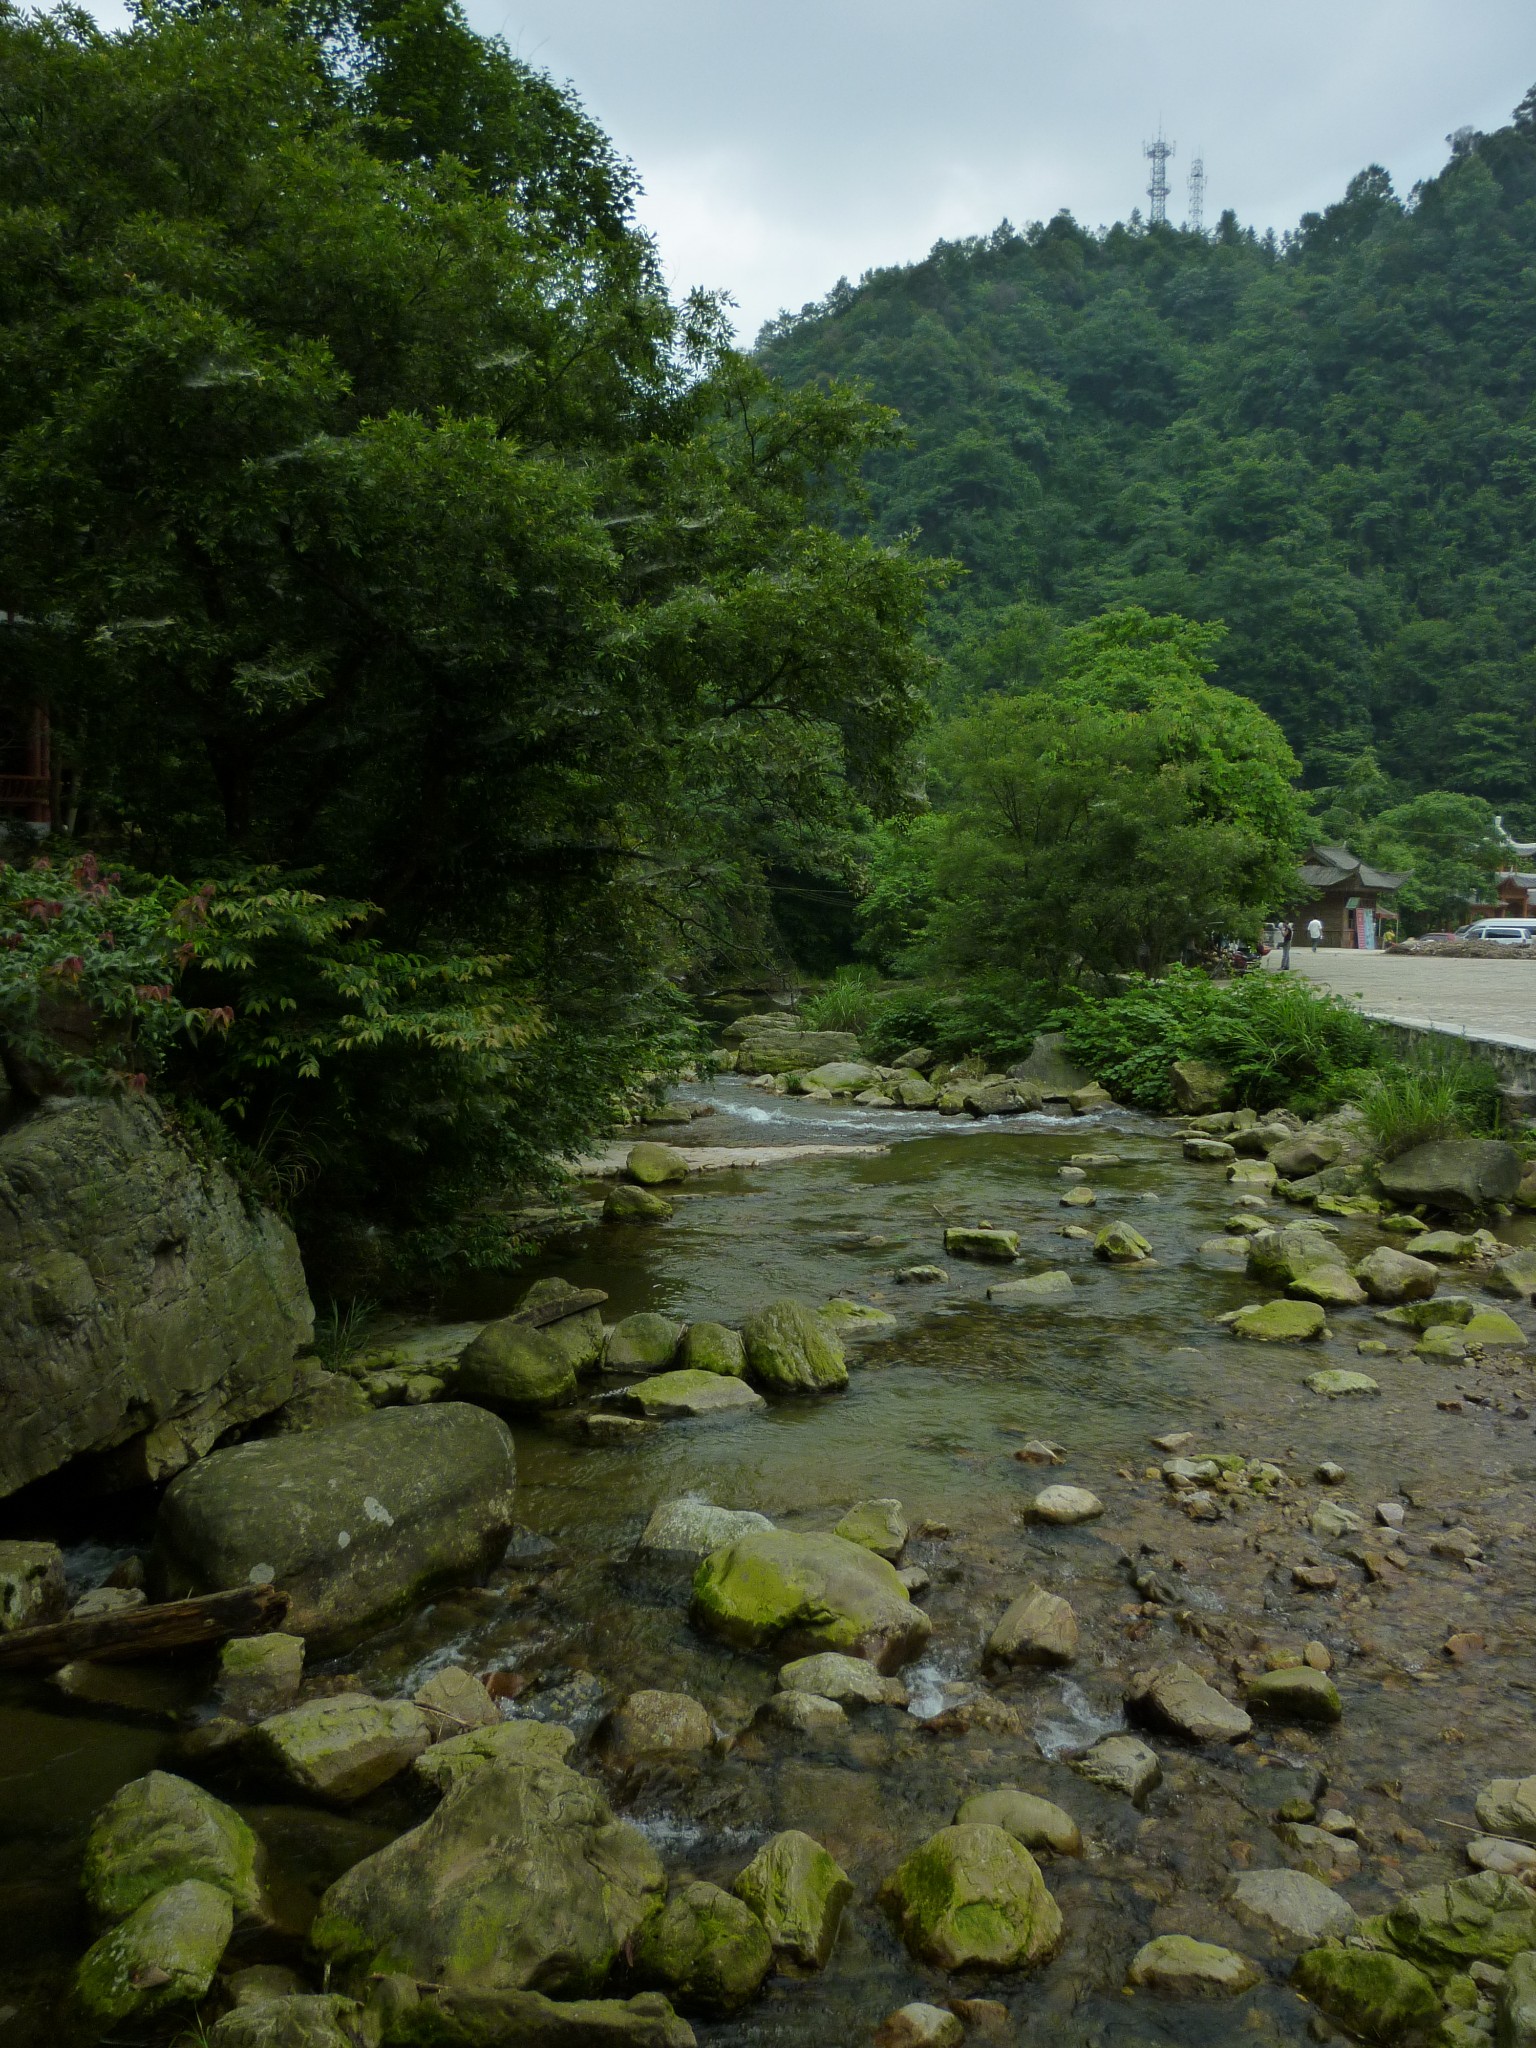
{"x": 783, "y": 146}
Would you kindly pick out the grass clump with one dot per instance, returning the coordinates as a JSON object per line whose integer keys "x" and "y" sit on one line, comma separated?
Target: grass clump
{"x": 1432, "y": 1094}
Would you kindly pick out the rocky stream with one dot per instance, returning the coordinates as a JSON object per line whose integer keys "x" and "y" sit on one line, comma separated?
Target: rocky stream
{"x": 1086, "y": 1669}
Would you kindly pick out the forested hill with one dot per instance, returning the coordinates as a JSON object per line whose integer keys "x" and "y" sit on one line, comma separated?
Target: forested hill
{"x": 1328, "y": 442}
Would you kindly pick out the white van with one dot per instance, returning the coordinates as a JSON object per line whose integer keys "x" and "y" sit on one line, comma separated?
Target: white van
{"x": 1502, "y": 931}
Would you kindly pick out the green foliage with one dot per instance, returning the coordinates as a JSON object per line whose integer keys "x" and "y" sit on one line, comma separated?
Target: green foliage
{"x": 1283, "y": 1043}
{"x": 848, "y": 1002}
{"x": 1326, "y": 442}
{"x": 1432, "y": 1094}
{"x": 1451, "y": 848}
{"x": 371, "y": 520}
{"x": 88, "y": 970}
{"x": 1118, "y": 812}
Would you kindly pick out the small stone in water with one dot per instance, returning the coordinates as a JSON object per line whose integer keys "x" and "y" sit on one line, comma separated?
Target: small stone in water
{"x": 1459, "y": 1544}
{"x": 1336, "y": 1822}
{"x": 1200, "y": 1506}
{"x": 1505, "y": 1858}
{"x": 1065, "y": 1505}
{"x": 1462, "y": 1647}
{"x": 1330, "y": 1474}
{"x": 914, "y": 1578}
{"x": 920, "y": 2026}
{"x": 1390, "y": 1512}
{"x": 923, "y": 1275}
{"x": 1071, "y": 1173}
{"x": 1123, "y": 1764}
{"x": 1039, "y": 1452}
{"x": 1074, "y": 1230}
{"x": 1329, "y": 1521}
{"x": 1175, "y": 1440}
{"x": 1184, "y": 1968}
{"x": 1315, "y": 1578}
{"x": 1335, "y": 1384}
{"x": 1317, "y": 1657}
{"x": 808, "y": 1712}
{"x": 1079, "y": 1198}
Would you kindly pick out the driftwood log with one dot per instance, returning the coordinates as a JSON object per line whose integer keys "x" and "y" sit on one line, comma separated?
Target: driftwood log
{"x": 144, "y": 1631}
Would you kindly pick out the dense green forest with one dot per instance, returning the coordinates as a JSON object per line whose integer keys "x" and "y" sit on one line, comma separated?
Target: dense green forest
{"x": 440, "y": 645}
{"x": 1326, "y": 442}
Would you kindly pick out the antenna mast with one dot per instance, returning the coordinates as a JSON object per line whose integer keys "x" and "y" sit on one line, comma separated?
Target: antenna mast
{"x": 1197, "y": 196}
{"x": 1159, "y": 153}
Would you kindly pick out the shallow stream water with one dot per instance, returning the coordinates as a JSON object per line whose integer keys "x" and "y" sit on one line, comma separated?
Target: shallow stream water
{"x": 934, "y": 1413}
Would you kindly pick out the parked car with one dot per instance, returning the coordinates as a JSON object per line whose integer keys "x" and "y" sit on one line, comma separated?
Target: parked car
{"x": 1502, "y": 931}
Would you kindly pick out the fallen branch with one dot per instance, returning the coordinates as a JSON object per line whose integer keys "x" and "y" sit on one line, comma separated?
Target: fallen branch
{"x": 130, "y": 1632}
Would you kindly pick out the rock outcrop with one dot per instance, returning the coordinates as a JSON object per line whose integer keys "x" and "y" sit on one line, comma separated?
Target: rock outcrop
{"x": 144, "y": 1309}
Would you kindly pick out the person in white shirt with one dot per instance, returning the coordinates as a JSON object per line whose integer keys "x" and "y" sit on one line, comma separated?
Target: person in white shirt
{"x": 1315, "y": 932}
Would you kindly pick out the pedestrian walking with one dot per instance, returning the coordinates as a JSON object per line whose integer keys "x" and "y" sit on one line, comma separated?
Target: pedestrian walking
{"x": 1287, "y": 932}
{"x": 1315, "y": 932}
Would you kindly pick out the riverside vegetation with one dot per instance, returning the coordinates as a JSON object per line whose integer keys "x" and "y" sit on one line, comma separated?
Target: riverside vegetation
{"x": 998, "y": 1512}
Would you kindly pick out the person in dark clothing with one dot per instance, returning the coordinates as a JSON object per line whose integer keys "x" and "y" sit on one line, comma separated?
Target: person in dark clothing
{"x": 1287, "y": 932}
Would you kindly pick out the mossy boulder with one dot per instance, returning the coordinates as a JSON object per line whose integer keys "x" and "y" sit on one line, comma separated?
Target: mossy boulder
{"x": 1180, "y": 1967}
{"x": 708, "y": 1949}
{"x": 998, "y": 1247}
{"x": 1280, "y": 1322}
{"x": 259, "y": 1675}
{"x": 840, "y": 1077}
{"x": 1483, "y": 1918}
{"x": 798, "y": 1891}
{"x": 1454, "y": 1173}
{"x": 353, "y": 1523}
{"x": 856, "y": 1318}
{"x": 645, "y": 1342}
{"x": 340, "y": 1747}
{"x": 161, "y": 1830}
{"x": 1037, "y": 1823}
{"x": 513, "y": 1365}
{"x": 711, "y": 1347}
{"x": 791, "y": 1350}
{"x": 477, "y": 1749}
{"x": 630, "y": 1203}
{"x": 1200, "y": 1087}
{"x": 578, "y": 1334}
{"x": 1295, "y": 1693}
{"x": 424, "y": 2016}
{"x": 296, "y": 2020}
{"x": 972, "y": 1897}
{"x": 1118, "y": 1244}
{"x": 677, "y": 1396}
{"x": 1390, "y": 1276}
{"x": 522, "y": 1879}
{"x": 653, "y": 1166}
{"x": 32, "y": 1584}
{"x": 1378, "y": 1996}
{"x": 164, "y": 1954}
{"x": 801, "y": 1593}
{"x": 877, "y": 1525}
{"x": 1495, "y": 1331}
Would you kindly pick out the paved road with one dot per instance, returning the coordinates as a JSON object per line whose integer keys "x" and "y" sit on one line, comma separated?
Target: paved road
{"x": 1490, "y": 999}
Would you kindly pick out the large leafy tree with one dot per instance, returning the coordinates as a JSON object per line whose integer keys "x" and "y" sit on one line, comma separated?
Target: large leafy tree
{"x": 1118, "y": 811}
{"x": 370, "y": 517}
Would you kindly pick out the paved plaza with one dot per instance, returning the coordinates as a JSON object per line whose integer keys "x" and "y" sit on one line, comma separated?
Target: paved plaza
{"x": 1488, "y": 999}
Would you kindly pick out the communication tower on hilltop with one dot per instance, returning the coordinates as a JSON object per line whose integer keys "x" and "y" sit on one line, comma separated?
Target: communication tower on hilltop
{"x": 1196, "y": 221}
{"x": 1159, "y": 153}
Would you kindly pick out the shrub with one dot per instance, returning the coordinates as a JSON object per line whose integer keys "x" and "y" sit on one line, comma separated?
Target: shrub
{"x": 848, "y": 1002}
{"x": 1281, "y": 1041}
{"x": 1432, "y": 1094}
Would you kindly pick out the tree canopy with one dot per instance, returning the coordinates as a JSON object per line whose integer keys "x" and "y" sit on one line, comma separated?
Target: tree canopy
{"x": 373, "y": 525}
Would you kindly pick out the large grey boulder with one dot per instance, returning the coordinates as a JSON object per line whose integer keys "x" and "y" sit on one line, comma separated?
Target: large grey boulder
{"x": 352, "y": 1523}
{"x": 1454, "y": 1173}
{"x": 1050, "y": 1070}
{"x": 144, "y": 1308}
{"x": 778, "y": 1048}
{"x": 521, "y": 1880}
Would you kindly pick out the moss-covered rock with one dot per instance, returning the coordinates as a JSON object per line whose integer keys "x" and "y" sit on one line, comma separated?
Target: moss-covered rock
{"x": 513, "y": 1365}
{"x": 711, "y": 1347}
{"x": 341, "y": 1747}
{"x": 1200, "y": 1087}
{"x": 856, "y": 1318}
{"x": 877, "y": 1525}
{"x": 522, "y": 1879}
{"x": 655, "y": 1165}
{"x": 708, "y": 1949}
{"x": 802, "y": 1593}
{"x": 832, "y": 1676}
{"x": 145, "y": 1308}
{"x": 296, "y": 2021}
{"x": 1180, "y": 1967}
{"x": 628, "y": 1203}
{"x": 259, "y": 1675}
{"x": 1390, "y": 1276}
{"x": 1118, "y": 1244}
{"x": 653, "y": 1726}
{"x": 164, "y": 1954}
{"x": 1000, "y": 1247}
{"x": 353, "y": 1523}
{"x": 1280, "y": 1322}
{"x": 798, "y": 1890}
{"x": 579, "y": 1335}
{"x": 32, "y": 1584}
{"x": 791, "y": 1350}
{"x": 1376, "y": 1995}
{"x": 1296, "y": 1693}
{"x": 159, "y": 1831}
{"x": 675, "y": 1396}
{"x": 424, "y": 2017}
{"x": 1037, "y": 1823}
{"x": 508, "y": 1742}
{"x": 644, "y": 1342}
{"x": 1483, "y": 1918}
{"x": 972, "y": 1897}
{"x": 1495, "y": 1331}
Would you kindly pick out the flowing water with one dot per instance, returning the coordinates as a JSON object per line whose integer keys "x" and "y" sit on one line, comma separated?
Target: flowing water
{"x": 935, "y": 1411}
